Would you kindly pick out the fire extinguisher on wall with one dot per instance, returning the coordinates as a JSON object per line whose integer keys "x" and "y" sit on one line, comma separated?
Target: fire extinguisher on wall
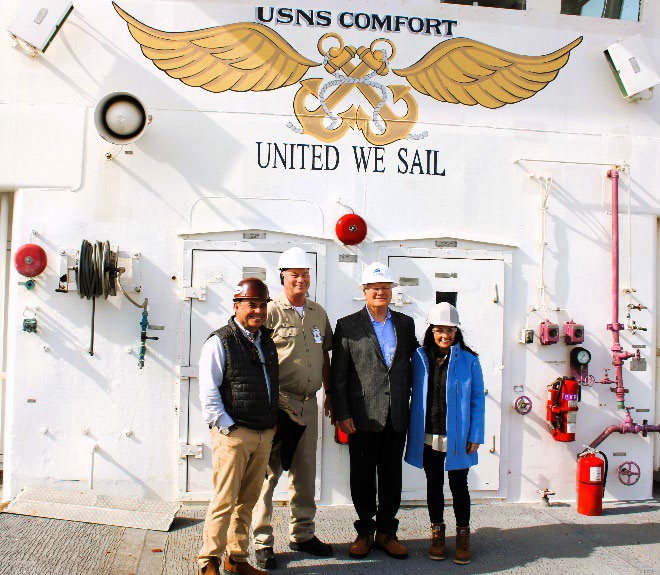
{"x": 562, "y": 407}
{"x": 340, "y": 437}
{"x": 591, "y": 476}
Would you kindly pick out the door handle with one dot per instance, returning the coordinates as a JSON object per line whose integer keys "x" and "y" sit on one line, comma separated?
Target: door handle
{"x": 497, "y": 295}
{"x": 492, "y": 445}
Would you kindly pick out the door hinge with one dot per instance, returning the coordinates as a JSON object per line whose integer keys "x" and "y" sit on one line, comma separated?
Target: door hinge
{"x": 188, "y": 371}
{"x": 190, "y": 449}
{"x": 195, "y": 293}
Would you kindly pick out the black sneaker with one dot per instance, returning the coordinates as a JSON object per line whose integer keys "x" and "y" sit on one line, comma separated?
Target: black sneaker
{"x": 313, "y": 546}
{"x": 266, "y": 558}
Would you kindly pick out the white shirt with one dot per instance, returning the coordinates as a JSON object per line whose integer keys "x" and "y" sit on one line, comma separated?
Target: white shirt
{"x": 212, "y": 363}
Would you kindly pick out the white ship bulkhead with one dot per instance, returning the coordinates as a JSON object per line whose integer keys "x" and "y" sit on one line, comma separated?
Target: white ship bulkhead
{"x": 219, "y": 184}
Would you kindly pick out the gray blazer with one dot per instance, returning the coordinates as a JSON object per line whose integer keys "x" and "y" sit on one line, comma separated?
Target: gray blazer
{"x": 362, "y": 386}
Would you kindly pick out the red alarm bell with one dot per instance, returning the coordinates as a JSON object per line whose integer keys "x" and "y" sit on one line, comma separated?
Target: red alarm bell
{"x": 351, "y": 229}
{"x": 30, "y": 260}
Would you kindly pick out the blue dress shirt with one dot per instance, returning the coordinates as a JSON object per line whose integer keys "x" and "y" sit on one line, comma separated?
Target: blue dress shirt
{"x": 386, "y": 336}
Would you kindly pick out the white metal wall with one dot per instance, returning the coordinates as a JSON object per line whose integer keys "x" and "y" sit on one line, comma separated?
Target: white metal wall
{"x": 60, "y": 402}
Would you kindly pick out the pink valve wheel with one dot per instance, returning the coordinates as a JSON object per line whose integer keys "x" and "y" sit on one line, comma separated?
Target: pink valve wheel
{"x": 628, "y": 473}
{"x": 523, "y": 405}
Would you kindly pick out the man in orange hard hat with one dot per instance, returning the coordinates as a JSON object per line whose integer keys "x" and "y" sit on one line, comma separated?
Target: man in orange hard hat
{"x": 238, "y": 389}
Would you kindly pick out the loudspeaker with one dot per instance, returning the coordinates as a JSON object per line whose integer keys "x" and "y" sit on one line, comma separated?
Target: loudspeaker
{"x": 632, "y": 67}
{"x": 120, "y": 118}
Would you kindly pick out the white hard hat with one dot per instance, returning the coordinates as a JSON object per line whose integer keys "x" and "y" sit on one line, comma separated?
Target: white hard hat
{"x": 377, "y": 273}
{"x": 293, "y": 258}
{"x": 443, "y": 313}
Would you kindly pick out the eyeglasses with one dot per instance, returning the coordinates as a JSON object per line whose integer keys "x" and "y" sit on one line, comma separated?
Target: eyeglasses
{"x": 445, "y": 330}
{"x": 377, "y": 289}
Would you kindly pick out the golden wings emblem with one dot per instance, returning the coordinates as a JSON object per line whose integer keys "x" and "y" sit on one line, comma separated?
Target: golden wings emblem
{"x": 250, "y": 57}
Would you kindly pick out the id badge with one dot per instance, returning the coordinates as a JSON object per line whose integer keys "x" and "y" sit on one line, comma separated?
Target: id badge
{"x": 316, "y": 332}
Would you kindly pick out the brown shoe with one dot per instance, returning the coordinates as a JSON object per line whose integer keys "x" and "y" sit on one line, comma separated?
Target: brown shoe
{"x": 211, "y": 568}
{"x": 241, "y": 567}
{"x": 462, "y": 555}
{"x": 437, "y": 552}
{"x": 390, "y": 544}
{"x": 360, "y": 548}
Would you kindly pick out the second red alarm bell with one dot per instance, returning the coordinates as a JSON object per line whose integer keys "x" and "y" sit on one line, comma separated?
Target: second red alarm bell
{"x": 351, "y": 229}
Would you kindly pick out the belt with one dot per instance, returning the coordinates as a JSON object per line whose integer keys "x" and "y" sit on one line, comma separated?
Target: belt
{"x": 297, "y": 396}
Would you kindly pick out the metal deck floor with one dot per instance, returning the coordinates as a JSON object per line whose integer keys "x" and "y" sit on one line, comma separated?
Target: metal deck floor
{"x": 506, "y": 538}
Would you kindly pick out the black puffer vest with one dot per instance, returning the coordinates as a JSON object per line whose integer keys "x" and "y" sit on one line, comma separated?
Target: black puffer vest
{"x": 243, "y": 390}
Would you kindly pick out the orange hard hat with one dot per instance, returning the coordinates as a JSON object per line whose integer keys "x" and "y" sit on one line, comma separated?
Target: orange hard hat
{"x": 251, "y": 288}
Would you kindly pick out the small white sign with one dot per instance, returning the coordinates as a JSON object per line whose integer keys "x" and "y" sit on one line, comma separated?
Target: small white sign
{"x": 596, "y": 474}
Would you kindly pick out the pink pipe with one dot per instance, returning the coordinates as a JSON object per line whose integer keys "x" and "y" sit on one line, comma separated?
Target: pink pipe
{"x": 628, "y": 426}
{"x": 618, "y": 355}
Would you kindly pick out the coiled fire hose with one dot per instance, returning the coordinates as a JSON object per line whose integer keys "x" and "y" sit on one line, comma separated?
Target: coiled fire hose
{"x": 97, "y": 275}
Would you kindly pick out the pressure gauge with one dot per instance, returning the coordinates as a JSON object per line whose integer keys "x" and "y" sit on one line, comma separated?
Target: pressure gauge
{"x": 580, "y": 357}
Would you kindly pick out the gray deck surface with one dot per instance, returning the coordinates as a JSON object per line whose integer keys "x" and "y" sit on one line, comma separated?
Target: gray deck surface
{"x": 506, "y": 538}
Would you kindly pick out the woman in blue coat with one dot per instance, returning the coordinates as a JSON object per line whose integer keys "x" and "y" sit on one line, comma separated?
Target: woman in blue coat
{"x": 446, "y": 423}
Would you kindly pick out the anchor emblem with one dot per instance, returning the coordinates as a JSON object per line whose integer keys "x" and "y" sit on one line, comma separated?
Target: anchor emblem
{"x": 251, "y": 57}
{"x": 338, "y": 61}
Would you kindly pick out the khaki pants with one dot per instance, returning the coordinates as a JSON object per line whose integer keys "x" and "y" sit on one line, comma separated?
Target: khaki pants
{"x": 239, "y": 466}
{"x": 302, "y": 480}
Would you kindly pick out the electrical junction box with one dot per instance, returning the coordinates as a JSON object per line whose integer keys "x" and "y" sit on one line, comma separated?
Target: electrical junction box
{"x": 548, "y": 333}
{"x": 632, "y": 66}
{"x": 37, "y": 22}
{"x": 573, "y": 333}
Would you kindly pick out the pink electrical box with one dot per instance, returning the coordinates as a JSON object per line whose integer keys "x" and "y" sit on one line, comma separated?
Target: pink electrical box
{"x": 573, "y": 333}
{"x": 548, "y": 333}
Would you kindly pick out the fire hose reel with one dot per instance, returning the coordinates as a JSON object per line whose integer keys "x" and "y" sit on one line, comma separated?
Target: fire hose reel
{"x": 351, "y": 229}
{"x": 628, "y": 473}
{"x": 98, "y": 274}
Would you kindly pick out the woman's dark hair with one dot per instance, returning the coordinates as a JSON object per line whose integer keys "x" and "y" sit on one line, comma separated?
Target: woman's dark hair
{"x": 431, "y": 348}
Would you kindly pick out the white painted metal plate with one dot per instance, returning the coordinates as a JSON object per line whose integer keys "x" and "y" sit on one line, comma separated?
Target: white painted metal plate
{"x": 93, "y": 508}
{"x": 479, "y": 287}
{"x": 219, "y": 266}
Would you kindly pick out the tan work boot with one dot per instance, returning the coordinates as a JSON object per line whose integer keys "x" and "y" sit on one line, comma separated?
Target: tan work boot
{"x": 360, "y": 548}
{"x": 240, "y": 567}
{"x": 462, "y": 555}
{"x": 390, "y": 544}
{"x": 437, "y": 552}
{"x": 211, "y": 568}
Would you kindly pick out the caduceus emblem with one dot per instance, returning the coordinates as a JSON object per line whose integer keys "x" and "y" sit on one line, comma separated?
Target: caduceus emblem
{"x": 250, "y": 57}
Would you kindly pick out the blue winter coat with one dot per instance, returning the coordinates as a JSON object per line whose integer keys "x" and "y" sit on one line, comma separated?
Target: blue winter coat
{"x": 465, "y": 408}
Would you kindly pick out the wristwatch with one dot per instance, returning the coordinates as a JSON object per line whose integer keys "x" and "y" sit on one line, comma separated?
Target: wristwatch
{"x": 226, "y": 430}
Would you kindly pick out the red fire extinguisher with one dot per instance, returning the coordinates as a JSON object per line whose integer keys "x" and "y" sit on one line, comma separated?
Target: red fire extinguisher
{"x": 340, "y": 437}
{"x": 591, "y": 476}
{"x": 561, "y": 409}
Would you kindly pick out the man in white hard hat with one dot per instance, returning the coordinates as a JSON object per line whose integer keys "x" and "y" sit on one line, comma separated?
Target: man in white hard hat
{"x": 303, "y": 338}
{"x": 370, "y": 385}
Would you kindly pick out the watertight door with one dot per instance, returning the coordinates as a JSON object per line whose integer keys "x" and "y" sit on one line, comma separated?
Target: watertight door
{"x": 476, "y": 287}
{"x": 216, "y": 268}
